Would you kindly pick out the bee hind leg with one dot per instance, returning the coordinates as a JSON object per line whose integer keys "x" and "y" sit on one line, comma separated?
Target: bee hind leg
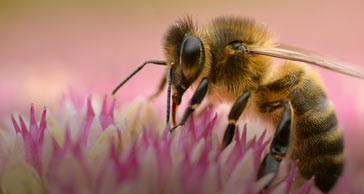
{"x": 279, "y": 145}
{"x": 234, "y": 115}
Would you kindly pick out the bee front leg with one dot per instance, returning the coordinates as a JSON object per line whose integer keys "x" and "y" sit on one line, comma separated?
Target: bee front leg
{"x": 196, "y": 100}
{"x": 234, "y": 115}
{"x": 279, "y": 145}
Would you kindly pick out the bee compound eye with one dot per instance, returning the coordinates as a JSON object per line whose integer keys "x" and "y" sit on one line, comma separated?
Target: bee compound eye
{"x": 191, "y": 51}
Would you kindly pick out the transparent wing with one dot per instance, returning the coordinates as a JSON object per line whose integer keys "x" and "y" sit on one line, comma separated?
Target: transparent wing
{"x": 320, "y": 55}
{"x": 306, "y": 56}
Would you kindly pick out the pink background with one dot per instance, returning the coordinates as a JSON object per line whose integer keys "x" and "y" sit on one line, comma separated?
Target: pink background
{"x": 48, "y": 49}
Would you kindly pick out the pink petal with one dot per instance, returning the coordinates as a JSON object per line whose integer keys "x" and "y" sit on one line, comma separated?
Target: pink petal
{"x": 33, "y": 128}
{"x": 244, "y": 136}
{"x": 33, "y": 147}
{"x": 206, "y": 116}
{"x": 126, "y": 169}
{"x": 86, "y": 124}
{"x": 107, "y": 117}
{"x": 24, "y": 129}
{"x": 67, "y": 190}
{"x": 306, "y": 187}
{"x": 15, "y": 124}
{"x": 291, "y": 175}
{"x": 39, "y": 135}
{"x": 261, "y": 138}
{"x": 289, "y": 179}
{"x": 208, "y": 129}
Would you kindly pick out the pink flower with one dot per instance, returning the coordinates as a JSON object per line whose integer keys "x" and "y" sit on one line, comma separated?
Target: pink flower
{"x": 101, "y": 149}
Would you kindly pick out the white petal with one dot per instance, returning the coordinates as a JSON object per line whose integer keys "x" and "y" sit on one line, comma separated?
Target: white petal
{"x": 148, "y": 172}
{"x": 243, "y": 172}
{"x": 210, "y": 185}
{"x": 197, "y": 151}
{"x": 19, "y": 177}
{"x": 280, "y": 189}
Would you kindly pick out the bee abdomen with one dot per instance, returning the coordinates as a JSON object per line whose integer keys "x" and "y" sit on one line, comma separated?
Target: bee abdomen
{"x": 319, "y": 144}
{"x": 326, "y": 169}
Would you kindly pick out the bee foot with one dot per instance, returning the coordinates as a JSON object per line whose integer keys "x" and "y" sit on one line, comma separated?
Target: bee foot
{"x": 173, "y": 128}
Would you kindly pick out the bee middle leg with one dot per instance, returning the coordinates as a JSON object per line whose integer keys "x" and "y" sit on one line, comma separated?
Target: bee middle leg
{"x": 234, "y": 115}
{"x": 196, "y": 100}
{"x": 279, "y": 145}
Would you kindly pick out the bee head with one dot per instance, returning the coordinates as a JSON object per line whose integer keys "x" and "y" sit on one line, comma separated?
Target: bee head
{"x": 185, "y": 53}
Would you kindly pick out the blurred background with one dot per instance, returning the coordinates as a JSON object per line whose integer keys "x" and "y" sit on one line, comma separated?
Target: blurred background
{"x": 49, "y": 48}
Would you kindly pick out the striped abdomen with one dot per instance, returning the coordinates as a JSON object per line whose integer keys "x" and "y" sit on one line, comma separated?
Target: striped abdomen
{"x": 319, "y": 142}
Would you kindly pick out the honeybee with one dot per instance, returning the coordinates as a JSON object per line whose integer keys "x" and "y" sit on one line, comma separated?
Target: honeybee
{"x": 230, "y": 59}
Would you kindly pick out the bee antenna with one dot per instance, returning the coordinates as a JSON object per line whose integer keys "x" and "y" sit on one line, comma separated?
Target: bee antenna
{"x": 169, "y": 94}
{"x": 156, "y": 62}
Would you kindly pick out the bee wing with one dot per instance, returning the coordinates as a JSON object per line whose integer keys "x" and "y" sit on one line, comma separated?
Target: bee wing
{"x": 318, "y": 55}
{"x": 306, "y": 56}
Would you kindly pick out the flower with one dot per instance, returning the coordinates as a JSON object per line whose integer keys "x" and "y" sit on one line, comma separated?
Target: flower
{"x": 101, "y": 149}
